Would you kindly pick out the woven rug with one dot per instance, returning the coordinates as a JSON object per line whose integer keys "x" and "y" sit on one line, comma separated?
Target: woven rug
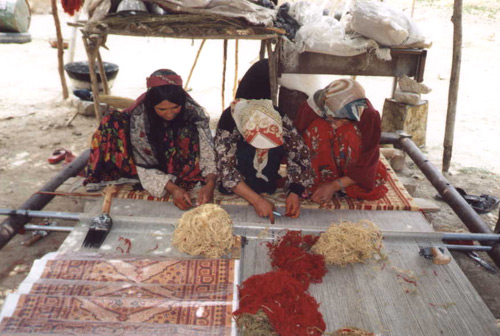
{"x": 397, "y": 198}
{"x": 150, "y": 296}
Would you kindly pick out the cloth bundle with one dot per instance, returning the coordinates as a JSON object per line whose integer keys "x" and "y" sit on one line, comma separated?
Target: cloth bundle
{"x": 409, "y": 91}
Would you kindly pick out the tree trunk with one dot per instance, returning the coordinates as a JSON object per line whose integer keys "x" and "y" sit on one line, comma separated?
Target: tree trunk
{"x": 454, "y": 81}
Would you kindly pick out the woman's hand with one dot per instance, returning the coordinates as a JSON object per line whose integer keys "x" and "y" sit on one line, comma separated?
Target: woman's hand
{"x": 181, "y": 199}
{"x": 180, "y": 196}
{"x": 264, "y": 208}
{"x": 206, "y": 193}
{"x": 324, "y": 192}
{"x": 292, "y": 205}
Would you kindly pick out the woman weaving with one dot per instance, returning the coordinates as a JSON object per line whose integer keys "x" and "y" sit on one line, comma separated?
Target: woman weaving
{"x": 253, "y": 137}
{"x": 163, "y": 139}
{"x": 342, "y": 130}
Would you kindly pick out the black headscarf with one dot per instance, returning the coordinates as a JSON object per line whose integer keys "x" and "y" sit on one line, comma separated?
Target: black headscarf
{"x": 255, "y": 83}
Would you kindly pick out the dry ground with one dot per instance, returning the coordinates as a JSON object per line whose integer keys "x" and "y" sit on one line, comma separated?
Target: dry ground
{"x": 33, "y": 117}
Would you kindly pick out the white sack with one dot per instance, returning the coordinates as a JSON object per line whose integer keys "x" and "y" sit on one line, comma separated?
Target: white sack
{"x": 305, "y": 12}
{"x": 387, "y": 25}
{"x": 327, "y": 36}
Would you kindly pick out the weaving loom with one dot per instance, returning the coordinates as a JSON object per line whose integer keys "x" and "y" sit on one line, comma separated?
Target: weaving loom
{"x": 403, "y": 295}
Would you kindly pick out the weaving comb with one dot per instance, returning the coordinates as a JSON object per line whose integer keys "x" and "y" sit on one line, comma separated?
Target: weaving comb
{"x": 100, "y": 225}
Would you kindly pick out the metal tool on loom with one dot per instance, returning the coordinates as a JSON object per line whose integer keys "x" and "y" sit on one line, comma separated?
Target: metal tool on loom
{"x": 100, "y": 225}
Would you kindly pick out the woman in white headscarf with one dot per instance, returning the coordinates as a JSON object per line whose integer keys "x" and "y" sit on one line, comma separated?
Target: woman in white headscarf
{"x": 253, "y": 137}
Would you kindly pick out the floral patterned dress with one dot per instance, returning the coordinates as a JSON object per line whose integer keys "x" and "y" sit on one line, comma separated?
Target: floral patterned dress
{"x": 335, "y": 150}
{"x": 120, "y": 149}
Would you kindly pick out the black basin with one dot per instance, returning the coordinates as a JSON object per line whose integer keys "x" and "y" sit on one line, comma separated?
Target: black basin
{"x": 80, "y": 71}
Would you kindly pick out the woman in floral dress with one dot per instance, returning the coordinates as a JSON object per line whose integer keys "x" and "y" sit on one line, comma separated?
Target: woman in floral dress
{"x": 163, "y": 139}
{"x": 252, "y": 139}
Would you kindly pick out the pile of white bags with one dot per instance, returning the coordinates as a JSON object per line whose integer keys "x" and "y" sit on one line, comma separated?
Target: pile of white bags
{"x": 366, "y": 26}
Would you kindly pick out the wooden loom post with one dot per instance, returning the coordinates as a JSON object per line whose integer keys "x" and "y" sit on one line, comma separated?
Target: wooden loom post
{"x": 454, "y": 81}
{"x": 90, "y": 49}
{"x": 194, "y": 64}
{"x": 272, "y": 71}
{"x": 262, "y": 51}
{"x": 102, "y": 73}
{"x": 60, "y": 49}
{"x": 235, "y": 84}
{"x": 224, "y": 73}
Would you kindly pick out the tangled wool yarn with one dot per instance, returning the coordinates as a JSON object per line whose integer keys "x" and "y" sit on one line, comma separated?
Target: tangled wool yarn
{"x": 291, "y": 253}
{"x": 348, "y": 242}
{"x": 206, "y": 231}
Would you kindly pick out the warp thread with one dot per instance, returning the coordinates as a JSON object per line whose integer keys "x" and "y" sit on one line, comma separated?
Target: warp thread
{"x": 206, "y": 230}
{"x": 352, "y": 331}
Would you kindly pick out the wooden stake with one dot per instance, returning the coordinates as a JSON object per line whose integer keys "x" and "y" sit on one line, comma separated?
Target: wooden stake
{"x": 272, "y": 72}
{"x": 262, "y": 51}
{"x": 102, "y": 73}
{"x": 235, "y": 84}
{"x": 224, "y": 61}
{"x": 412, "y": 7}
{"x": 194, "y": 64}
{"x": 91, "y": 55}
{"x": 60, "y": 50}
{"x": 454, "y": 82}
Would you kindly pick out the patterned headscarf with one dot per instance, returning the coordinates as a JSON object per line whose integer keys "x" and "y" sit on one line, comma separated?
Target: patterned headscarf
{"x": 343, "y": 98}
{"x": 260, "y": 125}
{"x": 144, "y": 154}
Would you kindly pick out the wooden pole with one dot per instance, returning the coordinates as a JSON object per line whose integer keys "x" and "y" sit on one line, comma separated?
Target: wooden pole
{"x": 272, "y": 71}
{"x": 72, "y": 40}
{"x": 235, "y": 84}
{"x": 224, "y": 73}
{"x": 194, "y": 64}
{"x": 90, "y": 48}
{"x": 262, "y": 51}
{"x": 454, "y": 83}
{"x": 60, "y": 49}
{"x": 102, "y": 73}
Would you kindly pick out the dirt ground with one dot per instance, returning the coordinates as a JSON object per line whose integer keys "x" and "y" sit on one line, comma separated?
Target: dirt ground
{"x": 34, "y": 117}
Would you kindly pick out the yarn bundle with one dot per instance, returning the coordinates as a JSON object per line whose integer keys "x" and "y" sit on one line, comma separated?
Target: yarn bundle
{"x": 292, "y": 253}
{"x": 348, "y": 242}
{"x": 204, "y": 231}
{"x": 285, "y": 301}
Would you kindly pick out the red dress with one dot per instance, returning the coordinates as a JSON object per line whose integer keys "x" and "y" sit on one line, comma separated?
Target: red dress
{"x": 350, "y": 150}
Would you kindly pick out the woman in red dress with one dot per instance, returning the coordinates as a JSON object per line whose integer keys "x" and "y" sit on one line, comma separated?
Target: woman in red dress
{"x": 342, "y": 130}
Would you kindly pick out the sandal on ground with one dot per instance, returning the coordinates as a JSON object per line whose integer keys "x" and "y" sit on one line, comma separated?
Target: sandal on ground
{"x": 481, "y": 204}
{"x": 57, "y": 156}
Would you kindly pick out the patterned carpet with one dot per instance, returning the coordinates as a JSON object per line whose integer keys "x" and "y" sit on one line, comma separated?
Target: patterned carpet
{"x": 123, "y": 296}
{"x": 397, "y": 198}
